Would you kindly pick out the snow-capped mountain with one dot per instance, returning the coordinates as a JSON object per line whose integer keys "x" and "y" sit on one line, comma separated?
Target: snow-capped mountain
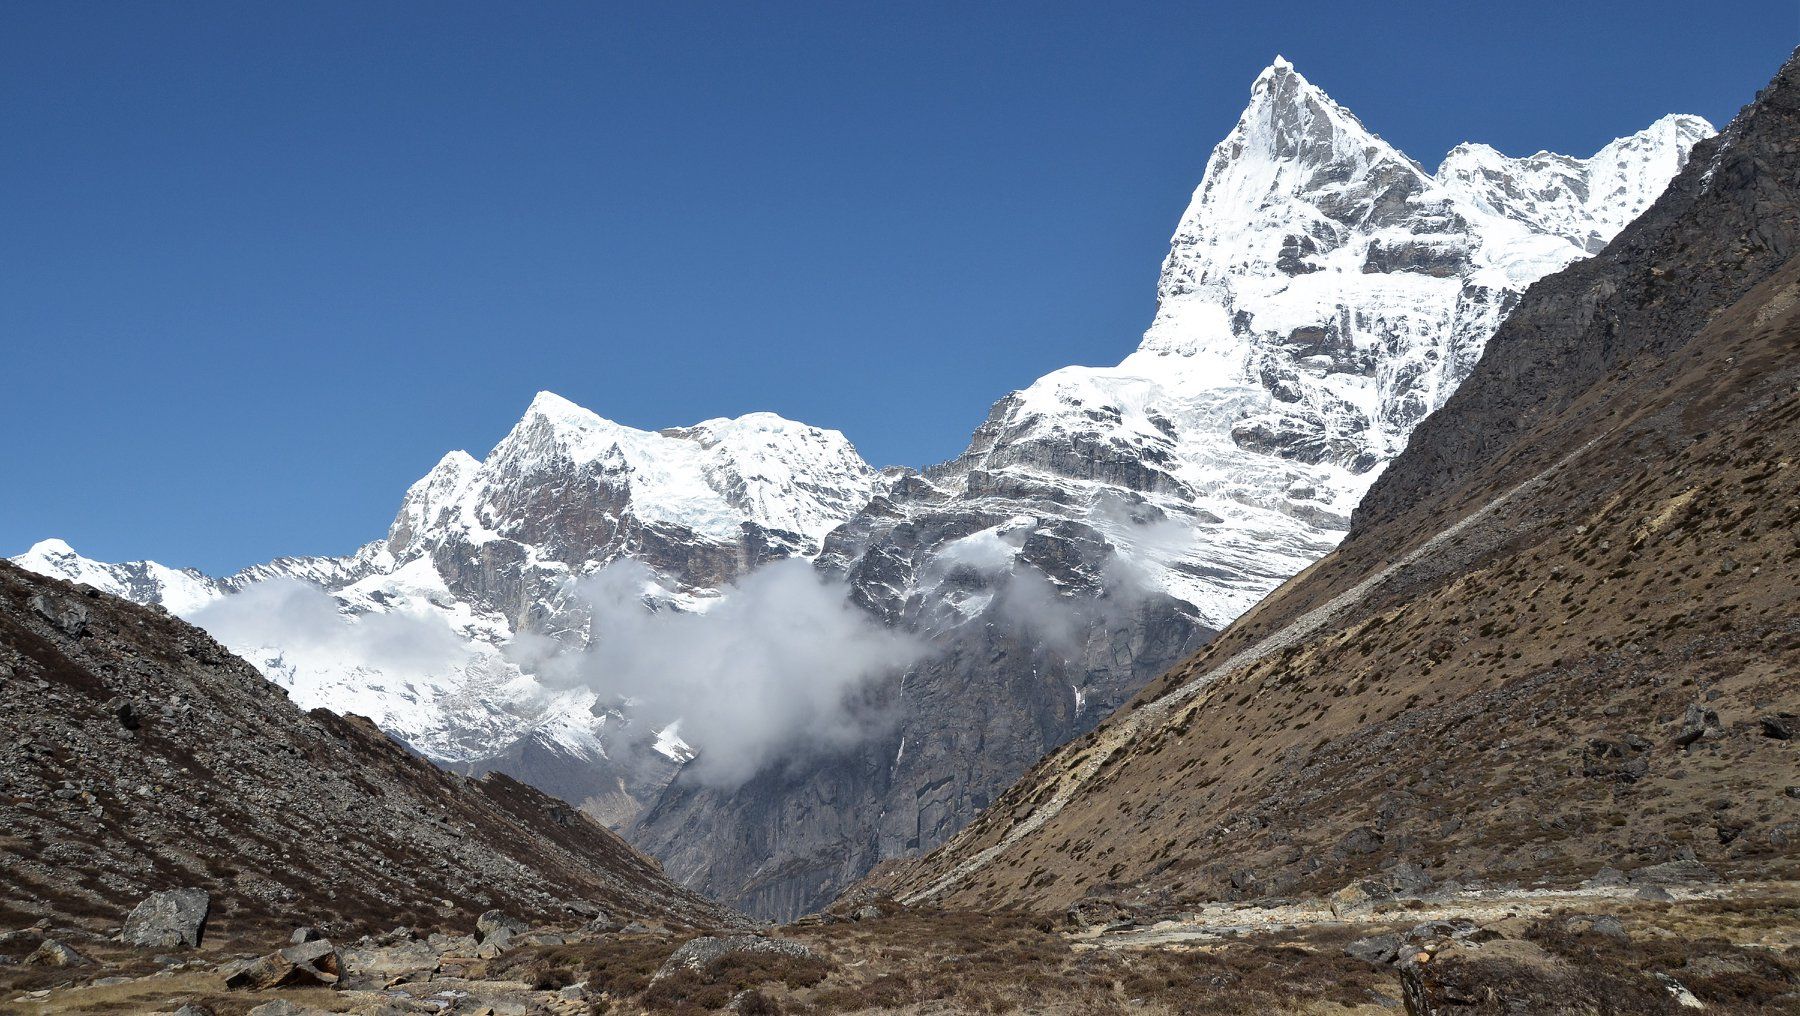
{"x": 413, "y": 630}
{"x": 1322, "y": 293}
{"x": 179, "y": 591}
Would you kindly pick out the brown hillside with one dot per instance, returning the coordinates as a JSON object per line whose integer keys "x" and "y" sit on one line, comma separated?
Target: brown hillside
{"x": 141, "y": 755}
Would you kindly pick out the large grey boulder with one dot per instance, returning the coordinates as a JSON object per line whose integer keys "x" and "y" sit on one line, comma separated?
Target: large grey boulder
{"x": 174, "y": 917}
{"x": 700, "y": 953}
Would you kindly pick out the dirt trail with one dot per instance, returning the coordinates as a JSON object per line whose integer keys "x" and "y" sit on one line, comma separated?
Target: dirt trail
{"x": 1126, "y": 730}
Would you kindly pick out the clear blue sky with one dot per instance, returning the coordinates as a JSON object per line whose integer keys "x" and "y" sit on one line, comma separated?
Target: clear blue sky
{"x": 261, "y": 264}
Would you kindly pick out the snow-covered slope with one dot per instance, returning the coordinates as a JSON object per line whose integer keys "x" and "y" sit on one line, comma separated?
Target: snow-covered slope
{"x": 180, "y": 591}
{"x": 1321, "y": 295}
{"x": 414, "y": 630}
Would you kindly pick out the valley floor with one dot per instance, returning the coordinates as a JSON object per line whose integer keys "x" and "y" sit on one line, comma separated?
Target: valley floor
{"x": 1614, "y": 947}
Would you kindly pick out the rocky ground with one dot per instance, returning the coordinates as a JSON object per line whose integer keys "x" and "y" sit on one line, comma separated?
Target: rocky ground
{"x": 1614, "y": 946}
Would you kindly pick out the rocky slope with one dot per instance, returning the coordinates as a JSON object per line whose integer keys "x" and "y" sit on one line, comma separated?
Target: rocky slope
{"x": 143, "y": 756}
{"x": 1558, "y": 637}
{"x": 1322, "y": 293}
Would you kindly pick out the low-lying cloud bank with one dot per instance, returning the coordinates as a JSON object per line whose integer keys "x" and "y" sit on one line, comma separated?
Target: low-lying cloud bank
{"x": 776, "y": 669}
{"x": 306, "y": 625}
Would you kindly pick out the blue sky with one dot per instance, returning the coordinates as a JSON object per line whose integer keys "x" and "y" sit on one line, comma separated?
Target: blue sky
{"x": 265, "y": 263}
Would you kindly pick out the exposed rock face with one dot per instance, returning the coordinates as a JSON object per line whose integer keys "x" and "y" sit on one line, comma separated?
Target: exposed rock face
{"x": 269, "y": 814}
{"x": 1539, "y": 626}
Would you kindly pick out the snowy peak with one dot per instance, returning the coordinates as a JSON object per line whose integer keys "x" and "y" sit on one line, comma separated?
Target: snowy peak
{"x": 710, "y": 478}
{"x": 1584, "y": 201}
{"x": 178, "y": 591}
{"x": 1289, "y": 119}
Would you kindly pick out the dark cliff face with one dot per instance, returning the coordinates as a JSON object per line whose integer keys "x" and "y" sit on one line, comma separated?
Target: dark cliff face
{"x": 1020, "y": 660}
{"x": 142, "y": 756}
{"x": 1726, "y": 223}
{"x": 987, "y": 704}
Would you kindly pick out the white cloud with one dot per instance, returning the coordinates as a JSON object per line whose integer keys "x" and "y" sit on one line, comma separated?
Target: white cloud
{"x": 774, "y": 670}
{"x": 305, "y": 624}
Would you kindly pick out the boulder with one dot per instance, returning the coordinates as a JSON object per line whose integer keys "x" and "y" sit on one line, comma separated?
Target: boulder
{"x": 497, "y": 929}
{"x": 385, "y": 962}
{"x": 306, "y": 933}
{"x": 1375, "y": 949}
{"x": 1683, "y": 872}
{"x": 495, "y": 920}
{"x": 1360, "y": 898}
{"x": 700, "y": 953}
{"x": 67, "y": 616}
{"x": 165, "y": 920}
{"x": 51, "y": 953}
{"x": 308, "y": 963}
{"x": 1698, "y": 722}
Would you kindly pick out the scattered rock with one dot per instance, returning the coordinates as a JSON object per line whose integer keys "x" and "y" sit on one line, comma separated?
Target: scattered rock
{"x": 195, "y": 1009}
{"x": 604, "y": 924}
{"x": 282, "y": 1007}
{"x": 385, "y": 962}
{"x": 164, "y": 920}
{"x": 1360, "y": 898}
{"x": 309, "y": 963}
{"x": 1097, "y": 911}
{"x": 67, "y": 616}
{"x": 1606, "y": 878}
{"x": 700, "y": 953}
{"x": 1697, "y": 723}
{"x": 1679, "y": 993}
{"x": 1603, "y": 924}
{"x": 1779, "y": 726}
{"x": 452, "y": 945}
{"x": 1375, "y": 949}
{"x": 1681, "y": 872}
{"x": 51, "y": 953}
{"x": 1655, "y": 894}
{"x": 1358, "y": 841}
